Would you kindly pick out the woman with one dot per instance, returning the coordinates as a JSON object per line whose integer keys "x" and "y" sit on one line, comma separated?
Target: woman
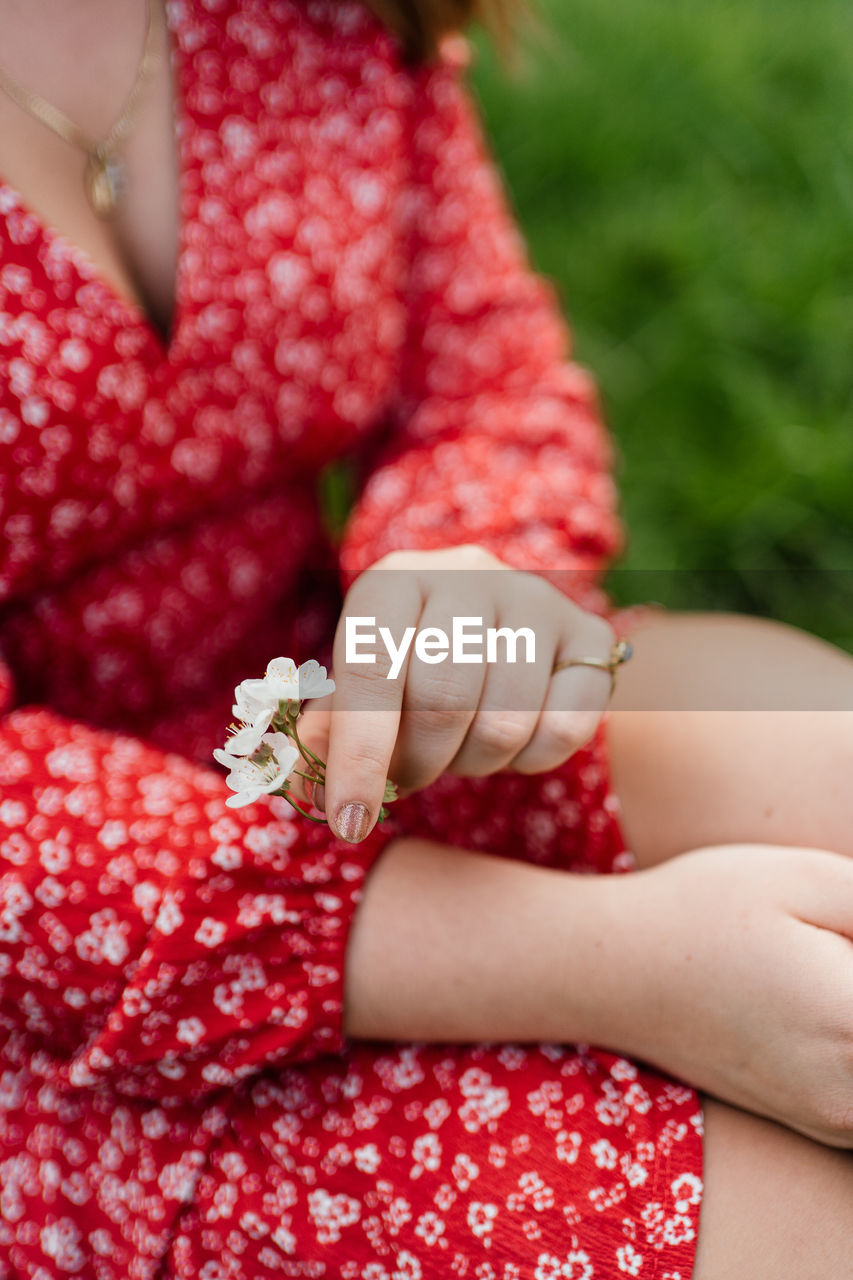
{"x": 179, "y": 1099}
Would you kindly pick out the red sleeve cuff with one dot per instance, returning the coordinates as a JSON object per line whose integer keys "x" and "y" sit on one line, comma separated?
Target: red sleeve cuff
{"x": 180, "y": 945}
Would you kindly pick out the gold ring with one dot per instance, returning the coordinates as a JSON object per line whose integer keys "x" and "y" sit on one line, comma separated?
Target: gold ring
{"x": 622, "y": 650}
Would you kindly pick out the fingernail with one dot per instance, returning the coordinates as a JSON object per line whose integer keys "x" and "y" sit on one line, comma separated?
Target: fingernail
{"x": 318, "y": 797}
{"x": 352, "y": 822}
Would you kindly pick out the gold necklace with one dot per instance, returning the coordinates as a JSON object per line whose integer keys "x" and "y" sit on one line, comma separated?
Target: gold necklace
{"x": 103, "y": 176}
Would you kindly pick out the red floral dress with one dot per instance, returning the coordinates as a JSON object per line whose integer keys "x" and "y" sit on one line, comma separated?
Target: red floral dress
{"x": 177, "y": 1098}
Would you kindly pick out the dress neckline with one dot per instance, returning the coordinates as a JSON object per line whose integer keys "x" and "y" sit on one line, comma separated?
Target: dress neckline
{"x": 85, "y": 265}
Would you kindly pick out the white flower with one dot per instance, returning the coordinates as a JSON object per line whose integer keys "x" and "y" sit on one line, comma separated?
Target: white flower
{"x": 246, "y": 707}
{"x": 313, "y": 682}
{"x": 245, "y": 741}
{"x": 280, "y": 684}
{"x": 283, "y": 682}
{"x": 249, "y": 779}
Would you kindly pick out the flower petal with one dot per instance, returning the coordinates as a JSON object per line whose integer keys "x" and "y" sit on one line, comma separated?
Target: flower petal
{"x": 261, "y": 695}
{"x": 247, "y": 707}
{"x": 246, "y": 741}
{"x": 226, "y": 758}
{"x": 282, "y": 677}
{"x": 313, "y": 682}
{"x": 240, "y": 798}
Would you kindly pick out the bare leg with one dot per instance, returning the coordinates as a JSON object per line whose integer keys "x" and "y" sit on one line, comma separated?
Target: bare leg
{"x": 776, "y": 1206}
{"x": 776, "y": 773}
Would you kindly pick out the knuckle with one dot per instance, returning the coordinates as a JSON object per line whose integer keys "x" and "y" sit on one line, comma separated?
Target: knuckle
{"x": 567, "y": 731}
{"x": 399, "y": 559}
{"x": 391, "y": 578}
{"x": 367, "y": 756}
{"x": 389, "y": 560}
{"x": 440, "y": 709}
{"x": 539, "y": 588}
{"x": 370, "y": 680}
{"x": 499, "y": 733}
{"x": 474, "y": 556}
{"x": 358, "y": 590}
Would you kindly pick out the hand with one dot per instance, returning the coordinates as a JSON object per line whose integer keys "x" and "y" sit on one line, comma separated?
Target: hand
{"x": 732, "y": 969}
{"x": 471, "y": 718}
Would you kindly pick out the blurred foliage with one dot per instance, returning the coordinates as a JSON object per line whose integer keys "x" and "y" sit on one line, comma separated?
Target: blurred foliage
{"x": 684, "y": 173}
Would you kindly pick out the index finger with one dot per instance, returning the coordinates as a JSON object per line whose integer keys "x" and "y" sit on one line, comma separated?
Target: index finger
{"x": 368, "y": 697}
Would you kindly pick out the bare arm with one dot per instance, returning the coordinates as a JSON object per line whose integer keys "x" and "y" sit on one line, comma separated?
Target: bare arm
{"x": 458, "y": 946}
{"x": 731, "y": 968}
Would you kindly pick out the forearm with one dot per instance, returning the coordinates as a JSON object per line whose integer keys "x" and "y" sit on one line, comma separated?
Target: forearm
{"x": 729, "y": 967}
{"x": 457, "y": 946}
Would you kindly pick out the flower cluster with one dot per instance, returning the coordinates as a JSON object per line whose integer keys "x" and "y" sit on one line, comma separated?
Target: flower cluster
{"x": 264, "y": 746}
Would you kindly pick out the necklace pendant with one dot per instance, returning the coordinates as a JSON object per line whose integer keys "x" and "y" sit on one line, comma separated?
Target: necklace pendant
{"x": 103, "y": 182}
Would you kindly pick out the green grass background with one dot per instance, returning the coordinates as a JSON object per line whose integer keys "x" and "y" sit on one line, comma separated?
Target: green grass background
{"x": 684, "y": 172}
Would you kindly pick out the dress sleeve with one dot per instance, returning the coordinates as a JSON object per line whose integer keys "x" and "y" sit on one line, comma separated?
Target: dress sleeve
{"x": 496, "y": 437}
{"x": 151, "y": 937}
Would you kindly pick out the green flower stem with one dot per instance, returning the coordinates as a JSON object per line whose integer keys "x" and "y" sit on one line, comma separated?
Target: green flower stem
{"x": 321, "y": 822}
{"x": 306, "y": 752}
{"x": 310, "y": 777}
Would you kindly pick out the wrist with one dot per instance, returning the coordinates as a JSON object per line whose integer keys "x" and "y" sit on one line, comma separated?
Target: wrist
{"x": 613, "y": 974}
{"x": 650, "y": 968}
{"x": 452, "y": 945}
